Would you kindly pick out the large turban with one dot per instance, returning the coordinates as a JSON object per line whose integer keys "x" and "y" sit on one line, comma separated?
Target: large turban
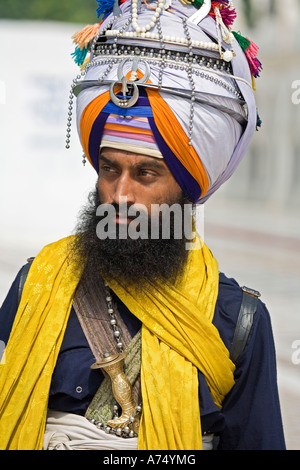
{"x": 194, "y": 105}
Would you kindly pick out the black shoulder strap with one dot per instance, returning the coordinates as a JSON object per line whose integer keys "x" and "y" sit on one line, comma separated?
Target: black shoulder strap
{"x": 23, "y": 277}
{"x": 244, "y": 322}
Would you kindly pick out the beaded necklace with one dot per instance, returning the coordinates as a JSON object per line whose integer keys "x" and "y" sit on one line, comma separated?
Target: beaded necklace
{"x": 126, "y": 425}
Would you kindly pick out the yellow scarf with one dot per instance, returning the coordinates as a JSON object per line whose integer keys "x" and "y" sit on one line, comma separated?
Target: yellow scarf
{"x": 177, "y": 338}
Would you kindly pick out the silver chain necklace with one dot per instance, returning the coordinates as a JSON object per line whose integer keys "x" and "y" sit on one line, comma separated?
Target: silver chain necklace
{"x": 113, "y": 320}
{"x": 128, "y": 429}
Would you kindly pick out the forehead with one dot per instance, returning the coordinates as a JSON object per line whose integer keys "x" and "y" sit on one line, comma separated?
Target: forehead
{"x": 125, "y": 158}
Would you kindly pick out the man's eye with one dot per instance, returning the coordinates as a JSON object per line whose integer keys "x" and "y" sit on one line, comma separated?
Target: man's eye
{"x": 147, "y": 173}
{"x": 106, "y": 168}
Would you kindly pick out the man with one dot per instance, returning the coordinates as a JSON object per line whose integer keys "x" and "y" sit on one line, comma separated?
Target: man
{"x": 125, "y": 338}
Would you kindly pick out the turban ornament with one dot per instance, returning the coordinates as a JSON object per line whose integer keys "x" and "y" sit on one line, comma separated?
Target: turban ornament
{"x": 169, "y": 79}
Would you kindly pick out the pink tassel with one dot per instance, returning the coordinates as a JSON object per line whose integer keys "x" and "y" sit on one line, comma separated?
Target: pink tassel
{"x": 253, "y": 48}
{"x": 228, "y": 16}
{"x": 254, "y": 63}
{"x": 83, "y": 37}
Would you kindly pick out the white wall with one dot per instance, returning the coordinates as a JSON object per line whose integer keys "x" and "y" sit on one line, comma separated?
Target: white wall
{"x": 42, "y": 185}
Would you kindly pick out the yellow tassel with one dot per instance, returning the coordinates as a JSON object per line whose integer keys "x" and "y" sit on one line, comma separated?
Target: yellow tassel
{"x": 253, "y": 83}
{"x": 83, "y": 37}
{"x": 82, "y": 67}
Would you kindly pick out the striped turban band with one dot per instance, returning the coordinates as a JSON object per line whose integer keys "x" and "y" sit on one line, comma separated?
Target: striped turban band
{"x": 132, "y": 135}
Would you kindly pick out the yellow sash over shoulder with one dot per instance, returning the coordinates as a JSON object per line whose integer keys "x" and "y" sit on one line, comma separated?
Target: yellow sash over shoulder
{"x": 177, "y": 338}
{"x": 33, "y": 347}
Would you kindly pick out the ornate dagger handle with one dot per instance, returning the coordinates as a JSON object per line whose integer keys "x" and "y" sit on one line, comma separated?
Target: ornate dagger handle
{"x": 122, "y": 390}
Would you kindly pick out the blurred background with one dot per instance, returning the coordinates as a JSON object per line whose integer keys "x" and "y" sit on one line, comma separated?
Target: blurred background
{"x": 252, "y": 224}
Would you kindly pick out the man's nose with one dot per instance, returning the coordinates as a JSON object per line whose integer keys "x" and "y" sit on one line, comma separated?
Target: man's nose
{"x": 123, "y": 191}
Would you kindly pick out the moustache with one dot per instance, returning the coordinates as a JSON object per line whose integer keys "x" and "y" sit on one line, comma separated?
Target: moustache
{"x": 133, "y": 221}
{"x": 123, "y": 221}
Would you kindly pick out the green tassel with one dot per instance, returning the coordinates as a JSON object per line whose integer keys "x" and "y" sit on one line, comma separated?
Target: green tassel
{"x": 243, "y": 42}
{"x": 198, "y": 3}
{"x": 79, "y": 55}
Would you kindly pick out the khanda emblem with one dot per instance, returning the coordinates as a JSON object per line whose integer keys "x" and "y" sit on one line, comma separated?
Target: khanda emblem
{"x": 129, "y": 89}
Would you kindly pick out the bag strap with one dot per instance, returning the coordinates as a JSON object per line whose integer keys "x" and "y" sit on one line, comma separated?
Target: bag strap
{"x": 23, "y": 277}
{"x": 244, "y": 322}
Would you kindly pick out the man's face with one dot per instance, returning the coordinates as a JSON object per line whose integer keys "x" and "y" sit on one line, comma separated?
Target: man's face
{"x": 142, "y": 181}
{"x": 139, "y": 179}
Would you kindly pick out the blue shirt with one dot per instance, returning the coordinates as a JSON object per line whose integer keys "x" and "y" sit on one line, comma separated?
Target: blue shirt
{"x": 250, "y": 418}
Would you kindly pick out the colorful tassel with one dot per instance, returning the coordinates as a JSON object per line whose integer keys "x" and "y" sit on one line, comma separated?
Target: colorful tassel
{"x": 105, "y": 7}
{"x": 243, "y": 42}
{"x": 83, "y": 40}
{"x": 86, "y": 35}
{"x": 255, "y": 65}
{"x": 221, "y": 4}
{"x": 228, "y": 16}
{"x": 79, "y": 55}
{"x": 258, "y": 122}
{"x": 198, "y": 4}
{"x": 86, "y": 61}
{"x": 251, "y": 50}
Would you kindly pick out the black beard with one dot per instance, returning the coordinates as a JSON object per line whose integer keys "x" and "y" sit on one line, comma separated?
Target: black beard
{"x": 134, "y": 261}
